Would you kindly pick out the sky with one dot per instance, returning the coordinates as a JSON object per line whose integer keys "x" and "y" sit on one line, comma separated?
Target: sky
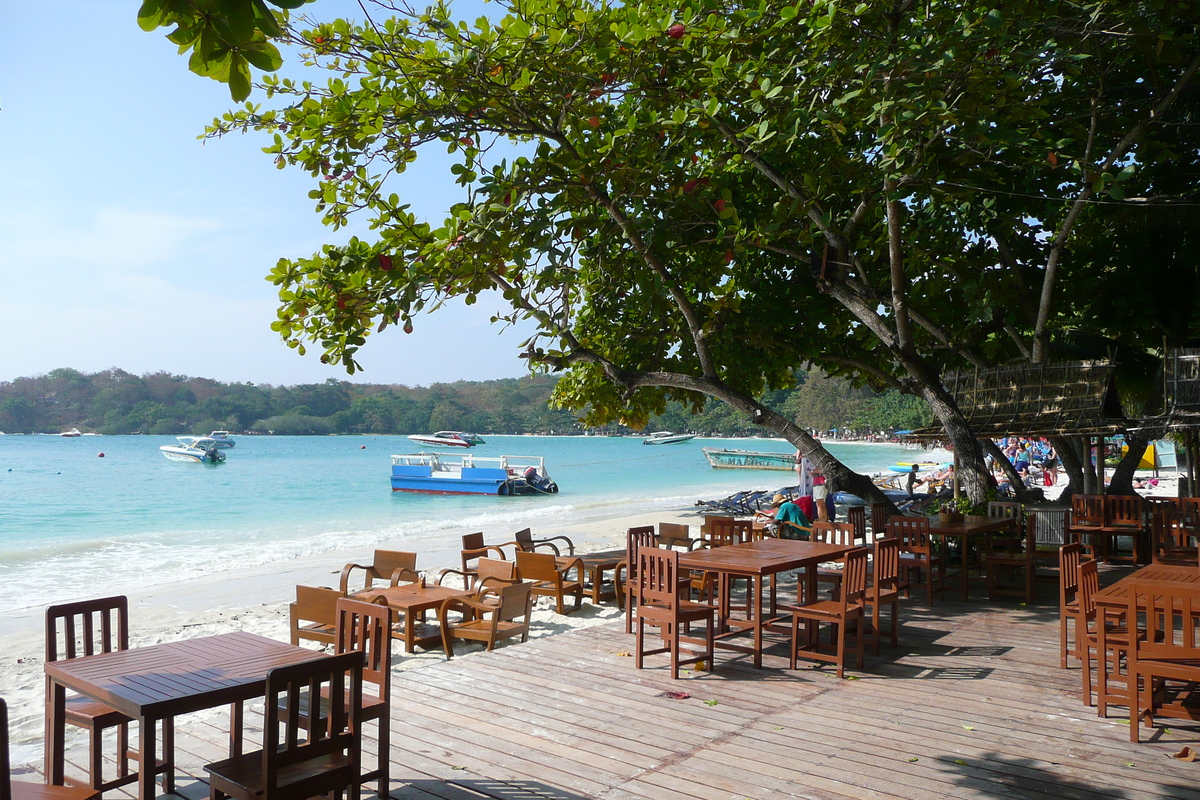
{"x": 127, "y": 242}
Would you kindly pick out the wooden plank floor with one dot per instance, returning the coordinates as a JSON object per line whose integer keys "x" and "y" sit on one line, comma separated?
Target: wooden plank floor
{"x": 971, "y": 705}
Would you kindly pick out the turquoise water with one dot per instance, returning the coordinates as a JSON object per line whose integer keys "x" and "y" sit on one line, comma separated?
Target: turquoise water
{"x": 133, "y": 518}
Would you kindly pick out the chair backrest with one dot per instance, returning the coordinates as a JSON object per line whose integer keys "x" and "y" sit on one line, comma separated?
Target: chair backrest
{"x": 388, "y": 561}
{"x": 1087, "y": 510}
{"x": 473, "y": 541}
{"x": 1170, "y": 539}
{"x": 332, "y": 728}
{"x": 913, "y": 533}
{"x": 857, "y": 516}
{"x": 1089, "y": 584}
{"x": 87, "y": 627}
{"x": 854, "y": 577}
{"x": 1069, "y": 558}
{"x": 513, "y": 601}
{"x": 879, "y": 518}
{"x": 314, "y": 604}
{"x": 537, "y": 566}
{"x": 840, "y": 533}
{"x": 524, "y": 539}
{"x": 642, "y": 536}
{"x": 1124, "y": 509}
{"x": 887, "y": 563}
{"x": 367, "y": 628}
{"x": 725, "y": 531}
{"x": 1005, "y": 510}
{"x": 1172, "y": 619}
{"x": 674, "y": 534}
{"x": 496, "y": 570}
{"x": 1189, "y": 514}
{"x": 657, "y": 577}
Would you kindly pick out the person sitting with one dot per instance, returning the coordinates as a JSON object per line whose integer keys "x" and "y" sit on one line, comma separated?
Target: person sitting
{"x": 788, "y": 521}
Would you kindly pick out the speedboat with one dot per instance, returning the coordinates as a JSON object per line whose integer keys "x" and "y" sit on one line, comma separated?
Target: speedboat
{"x": 666, "y": 437}
{"x": 71, "y": 434}
{"x": 448, "y": 439}
{"x": 434, "y": 473}
{"x": 197, "y": 449}
{"x": 221, "y": 439}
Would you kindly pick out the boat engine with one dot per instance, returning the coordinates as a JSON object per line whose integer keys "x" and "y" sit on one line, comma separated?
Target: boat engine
{"x": 540, "y": 483}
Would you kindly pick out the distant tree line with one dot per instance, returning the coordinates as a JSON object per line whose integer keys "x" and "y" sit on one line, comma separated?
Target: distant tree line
{"x": 118, "y": 402}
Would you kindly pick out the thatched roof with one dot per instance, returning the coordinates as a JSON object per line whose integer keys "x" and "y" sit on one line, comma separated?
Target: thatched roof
{"x": 1062, "y": 399}
{"x": 1181, "y": 394}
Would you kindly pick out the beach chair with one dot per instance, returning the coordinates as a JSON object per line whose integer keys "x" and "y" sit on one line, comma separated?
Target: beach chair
{"x": 290, "y": 767}
{"x": 498, "y": 611}
{"x": 523, "y": 540}
{"x": 394, "y": 566}
{"x": 313, "y": 615}
{"x": 85, "y": 628}
{"x": 550, "y": 579}
{"x": 25, "y": 790}
{"x": 474, "y": 549}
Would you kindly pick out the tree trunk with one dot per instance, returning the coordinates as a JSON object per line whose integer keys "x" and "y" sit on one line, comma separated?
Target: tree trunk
{"x": 1014, "y": 478}
{"x": 1122, "y": 477}
{"x": 971, "y": 472}
{"x": 1071, "y": 455}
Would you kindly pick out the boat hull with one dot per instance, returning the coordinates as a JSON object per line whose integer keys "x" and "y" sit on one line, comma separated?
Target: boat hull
{"x": 467, "y": 475}
{"x": 683, "y": 437}
{"x": 187, "y": 454}
{"x": 748, "y": 459}
{"x": 436, "y": 441}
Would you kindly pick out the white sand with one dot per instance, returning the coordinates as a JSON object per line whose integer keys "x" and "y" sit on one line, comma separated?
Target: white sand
{"x": 256, "y": 599}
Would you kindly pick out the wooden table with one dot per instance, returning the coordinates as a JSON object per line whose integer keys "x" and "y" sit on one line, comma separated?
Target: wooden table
{"x": 1115, "y": 598}
{"x": 412, "y": 600}
{"x": 964, "y": 531}
{"x": 155, "y": 683}
{"x": 757, "y": 561}
{"x": 595, "y": 565}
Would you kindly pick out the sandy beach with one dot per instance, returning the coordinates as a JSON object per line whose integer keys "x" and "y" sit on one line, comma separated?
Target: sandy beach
{"x": 256, "y": 599}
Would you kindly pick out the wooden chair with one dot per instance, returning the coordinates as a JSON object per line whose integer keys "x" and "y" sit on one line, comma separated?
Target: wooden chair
{"x": 839, "y": 533}
{"x": 674, "y": 534}
{"x": 366, "y": 628}
{"x": 918, "y": 553}
{"x": 23, "y": 790}
{"x": 524, "y": 541}
{"x": 313, "y": 615}
{"x": 291, "y": 768}
{"x": 1124, "y": 517}
{"x": 474, "y": 549}
{"x": 842, "y": 613}
{"x": 626, "y": 574}
{"x": 724, "y": 531}
{"x": 660, "y": 605}
{"x": 1171, "y": 541}
{"x": 1167, "y": 657}
{"x": 1108, "y": 640}
{"x": 85, "y": 628}
{"x": 393, "y": 566}
{"x": 485, "y": 569}
{"x": 880, "y": 513}
{"x": 857, "y": 516}
{"x": 1004, "y": 510}
{"x": 1012, "y": 555}
{"x": 884, "y": 587}
{"x": 497, "y": 611}
{"x": 1069, "y": 558}
{"x": 1087, "y": 523}
{"x": 550, "y": 579}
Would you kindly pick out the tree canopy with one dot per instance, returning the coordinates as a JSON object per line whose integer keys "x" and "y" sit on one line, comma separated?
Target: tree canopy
{"x": 693, "y": 199}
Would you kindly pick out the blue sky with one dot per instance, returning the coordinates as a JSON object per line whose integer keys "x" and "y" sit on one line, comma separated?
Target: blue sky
{"x": 127, "y": 242}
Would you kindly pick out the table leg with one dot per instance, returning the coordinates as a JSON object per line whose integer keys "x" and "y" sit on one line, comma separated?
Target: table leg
{"x": 56, "y": 733}
{"x": 964, "y": 549}
{"x": 237, "y": 717}
{"x": 756, "y": 619}
{"x": 148, "y": 753}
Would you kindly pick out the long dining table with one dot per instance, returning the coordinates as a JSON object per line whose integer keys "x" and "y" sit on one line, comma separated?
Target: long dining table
{"x": 757, "y": 561}
{"x": 162, "y": 681}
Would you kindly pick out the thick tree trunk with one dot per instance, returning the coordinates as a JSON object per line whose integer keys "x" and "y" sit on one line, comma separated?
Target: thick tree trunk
{"x": 971, "y": 473}
{"x": 1023, "y": 495}
{"x": 1071, "y": 456}
{"x": 1121, "y": 481}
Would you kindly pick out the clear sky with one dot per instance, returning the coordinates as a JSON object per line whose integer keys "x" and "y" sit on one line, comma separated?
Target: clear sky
{"x": 127, "y": 242}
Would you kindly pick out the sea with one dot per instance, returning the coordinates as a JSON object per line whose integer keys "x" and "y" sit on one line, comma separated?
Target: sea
{"x": 99, "y": 515}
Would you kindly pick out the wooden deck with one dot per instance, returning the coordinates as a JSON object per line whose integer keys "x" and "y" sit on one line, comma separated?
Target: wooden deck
{"x": 972, "y": 705}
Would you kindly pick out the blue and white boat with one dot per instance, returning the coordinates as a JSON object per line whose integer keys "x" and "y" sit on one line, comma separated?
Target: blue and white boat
{"x": 436, "y": 473}
{"x": 196, "y": 449}
{"x": 667, "y": 437}
{"x": 221, "y": 439}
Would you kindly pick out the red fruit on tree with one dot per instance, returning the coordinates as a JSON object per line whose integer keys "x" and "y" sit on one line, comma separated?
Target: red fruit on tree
{"x": 385, "y": 262}
{"x": 466, "y": 141}
{"x": 341, "y": 303}
{"x": 594, "y": 122}
{"x": 408, "y": 326}
{"x": 719, "y": 206}
{"x": 728, "y": 256}
{"x": 677, "y": 30}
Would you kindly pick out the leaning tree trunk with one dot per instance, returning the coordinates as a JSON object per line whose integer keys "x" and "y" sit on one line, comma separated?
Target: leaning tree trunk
{"x": 971, "y": 472}
{"x": 1022, "y": 493}
{"x": 1121, "y": 481}
{"x": 1071, "y": 456}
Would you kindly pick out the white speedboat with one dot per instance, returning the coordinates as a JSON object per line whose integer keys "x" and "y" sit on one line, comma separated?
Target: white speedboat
{"x": 666, "y": 437}
{"x": 71, "y": 434}
{"x": 221, "y": 439}
{"x": 447, "y": 439}
{"x": 197, "y": 449}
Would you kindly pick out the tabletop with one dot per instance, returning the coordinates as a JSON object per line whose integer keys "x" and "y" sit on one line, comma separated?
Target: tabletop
{"x": 970, "y": 527}
{"x": 172, "y": 678}
{"x": 1117, "y": 595}
{"x": 409, "y": 596}
{"x": 763, "y": 557}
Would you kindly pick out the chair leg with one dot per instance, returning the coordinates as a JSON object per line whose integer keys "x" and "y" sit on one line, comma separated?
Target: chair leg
{"x": 841, "y": 647}
{"x": 385, "y": 749}
{"x": 895, "y": 622}
{"x": 1062, "y": 637}
{"x": 168, "y": 743}
{"x": 96, "y": 758}
{"x": 123, "y": 749}
{"x": 875, "y": 628}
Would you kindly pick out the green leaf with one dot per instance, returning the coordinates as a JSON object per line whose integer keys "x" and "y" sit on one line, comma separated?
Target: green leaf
{"x": 263, "y": 55}
{"x": 152, "y": 14}
{"x": 239, "y": 77}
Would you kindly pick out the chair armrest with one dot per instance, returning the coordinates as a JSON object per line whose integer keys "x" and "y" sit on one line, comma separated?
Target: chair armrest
{"x": 545, "y": 544}
{"x": 346, "y": 570}
{"x": 466, "y": 577}
{"x": 574, "y": 564}
{"x": 549, "y": 540}
{"x": 487, "y": 583}
{"x": 693, "y": 544}
{"x": 405, "y": 574}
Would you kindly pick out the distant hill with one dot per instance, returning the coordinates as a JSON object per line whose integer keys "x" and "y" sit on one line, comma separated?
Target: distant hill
{"x": 116, "y": 402}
